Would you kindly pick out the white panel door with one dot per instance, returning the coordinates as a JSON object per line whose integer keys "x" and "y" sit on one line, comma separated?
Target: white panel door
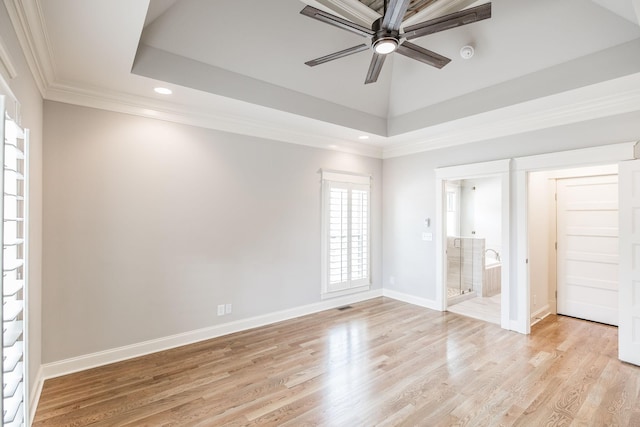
{"x": 629, "y": 302}
{"x": 587, "y": 256}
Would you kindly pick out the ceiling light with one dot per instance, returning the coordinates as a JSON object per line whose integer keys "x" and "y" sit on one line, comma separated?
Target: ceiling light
{"x": 363, "y": 137}
{"x": 467, "y": 52}
{"x": 385, "y": 45}
{"x": 163, "y": 91}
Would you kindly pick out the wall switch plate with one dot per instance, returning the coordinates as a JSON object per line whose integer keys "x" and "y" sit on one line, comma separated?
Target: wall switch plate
{"x": 221, "y": 310}
{"x": 227, "y": 309}
{"x": 427, "y": 236}
{"x": 392, "y": 280}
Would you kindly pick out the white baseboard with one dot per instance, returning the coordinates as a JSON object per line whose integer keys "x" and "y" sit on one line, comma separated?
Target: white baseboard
{"x": 411, "y": 299}
{"x": 88, "y": 361}
{"x": 540, "y": 314}
{"x": 34, "y": 398}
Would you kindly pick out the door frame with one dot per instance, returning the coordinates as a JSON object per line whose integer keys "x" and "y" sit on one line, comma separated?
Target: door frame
{"x": 497, "y": 168}
{"x": 595, "y": 156}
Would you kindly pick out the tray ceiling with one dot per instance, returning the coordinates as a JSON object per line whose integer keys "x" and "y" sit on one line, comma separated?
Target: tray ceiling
{"x": 245, "y": 58}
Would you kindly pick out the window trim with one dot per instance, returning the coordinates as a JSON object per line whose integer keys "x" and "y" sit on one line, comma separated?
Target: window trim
{"x": 352, "y": 181}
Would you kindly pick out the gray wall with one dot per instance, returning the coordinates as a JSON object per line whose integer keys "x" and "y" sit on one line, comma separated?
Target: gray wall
{"x": 149, "y": 225}
{"x": 26, "y": 91}
{"x": 409, "y": 194}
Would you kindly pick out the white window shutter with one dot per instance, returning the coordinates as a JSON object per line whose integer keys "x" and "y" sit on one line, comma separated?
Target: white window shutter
{"x": 346, "y": 231}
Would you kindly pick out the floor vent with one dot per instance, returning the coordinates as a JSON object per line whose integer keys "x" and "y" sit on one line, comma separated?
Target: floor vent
{"x": 346, "y": 307}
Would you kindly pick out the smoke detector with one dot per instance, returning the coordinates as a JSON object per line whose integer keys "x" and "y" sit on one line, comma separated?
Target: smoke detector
{"x": 467, "y": 52}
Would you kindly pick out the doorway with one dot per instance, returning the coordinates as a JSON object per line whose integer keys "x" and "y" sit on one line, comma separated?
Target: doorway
{"x": 472, "y": 235}
{"x": 473, "y": 247}
{"x": 573, "y": 243}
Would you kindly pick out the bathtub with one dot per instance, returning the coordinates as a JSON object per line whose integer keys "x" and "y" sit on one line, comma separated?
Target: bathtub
{"x": 491, "y": 277}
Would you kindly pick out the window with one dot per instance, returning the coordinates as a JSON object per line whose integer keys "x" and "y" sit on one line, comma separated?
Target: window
{"x": 345, "y": 233}
{"x": 13, "y": 274}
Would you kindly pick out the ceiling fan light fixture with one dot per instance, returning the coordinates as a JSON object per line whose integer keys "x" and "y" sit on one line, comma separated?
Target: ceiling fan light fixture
{"x": 385, "y": 45}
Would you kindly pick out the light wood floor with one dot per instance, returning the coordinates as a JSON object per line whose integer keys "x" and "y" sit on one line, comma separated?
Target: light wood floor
{"x": 482, "y": 308}
{"x": 382, "y": 362}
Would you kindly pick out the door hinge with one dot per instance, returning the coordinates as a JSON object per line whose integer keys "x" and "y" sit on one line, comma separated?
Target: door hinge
{"x": 556, "y": 245}
{"x": 555, "y": 196}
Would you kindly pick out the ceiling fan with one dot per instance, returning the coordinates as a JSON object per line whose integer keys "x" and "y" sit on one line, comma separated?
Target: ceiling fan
{"x": 386, "y": 37}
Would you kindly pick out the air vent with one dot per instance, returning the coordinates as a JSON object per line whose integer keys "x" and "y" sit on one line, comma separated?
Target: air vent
{"x": 346, "y": 307}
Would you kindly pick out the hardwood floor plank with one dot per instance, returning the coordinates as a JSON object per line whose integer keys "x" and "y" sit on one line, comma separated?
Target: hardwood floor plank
{"x": 382, "y": 362}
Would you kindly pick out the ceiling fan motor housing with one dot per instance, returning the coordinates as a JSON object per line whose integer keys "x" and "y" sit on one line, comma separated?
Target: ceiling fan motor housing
{"x": 384, "y": 36}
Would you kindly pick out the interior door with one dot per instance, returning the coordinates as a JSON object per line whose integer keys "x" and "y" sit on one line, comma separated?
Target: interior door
{"x": 629, "y": 303}
{"x": 588, "y": 248}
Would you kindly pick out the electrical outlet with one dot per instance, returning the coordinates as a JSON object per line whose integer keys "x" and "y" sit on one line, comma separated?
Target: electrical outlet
{"x": 535, "y": 300}
{"x": 227, "y": 309}
{"x": 221, "y": 310}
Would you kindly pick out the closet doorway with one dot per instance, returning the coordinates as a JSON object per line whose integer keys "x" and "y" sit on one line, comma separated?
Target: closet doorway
{"x": 573, "y": 243}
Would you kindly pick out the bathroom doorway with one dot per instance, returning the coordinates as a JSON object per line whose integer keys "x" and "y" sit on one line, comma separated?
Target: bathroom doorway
{"x": 473, "y": 240}
{"x": 474, "y": 244}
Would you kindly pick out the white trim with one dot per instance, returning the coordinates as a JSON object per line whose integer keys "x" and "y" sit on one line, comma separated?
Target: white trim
{"x": 542, "y": 312}
{"x": 502, "y": 169}
{"x": 411, "y": 299}
{"x": 88, "y": 361}
{"x": 348, "y": 177}
{"x": 616, "y": 96}
{"x": 213, "y": 118}
{"x": 473, "y": 170}
{"x": 34, "y": 397}
{"x": 344, "y": 292}
{"x": 350, "y": 182}
{"x": 601, "y": 155}
{"x": 28, "y": 24}
{"x": 521, "y": 261}
{"x": 606, "y": 99}
{"x": 598, "y": 170}
{"x": 8, "y": 69}
{"x": 26, "y": 290}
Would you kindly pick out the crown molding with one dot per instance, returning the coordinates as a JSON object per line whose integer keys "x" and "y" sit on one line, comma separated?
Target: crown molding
{"x": 614, "y": 97}
{"x": 211, "y": 119}
{"x": 8, "y": 69}
{"x": 610, "y": 98}
{"x": 27, "y": 20}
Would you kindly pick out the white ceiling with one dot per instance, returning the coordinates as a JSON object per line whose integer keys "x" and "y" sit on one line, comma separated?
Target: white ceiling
{"x": 239, "y": 66}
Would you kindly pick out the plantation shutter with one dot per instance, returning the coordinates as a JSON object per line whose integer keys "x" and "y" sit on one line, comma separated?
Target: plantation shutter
{"x": 13, "y": 274}
{"x": 346, "y": 231}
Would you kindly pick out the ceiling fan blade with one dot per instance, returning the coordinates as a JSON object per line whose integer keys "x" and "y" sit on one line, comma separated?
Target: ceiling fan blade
{"x": 446, "y": 22}
{"x": 394, "y": 14}
{"x": 337, "y": 55}
{"x": 336, "y": 21}
{"x": 374, "y": 68}
{"x": 421, "y": 54}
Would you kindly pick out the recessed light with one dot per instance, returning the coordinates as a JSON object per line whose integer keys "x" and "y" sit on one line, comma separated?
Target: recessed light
{"x": 363, "y": 137}
{"x": 333, "y": 146}
{"x": 163, "y": 91}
